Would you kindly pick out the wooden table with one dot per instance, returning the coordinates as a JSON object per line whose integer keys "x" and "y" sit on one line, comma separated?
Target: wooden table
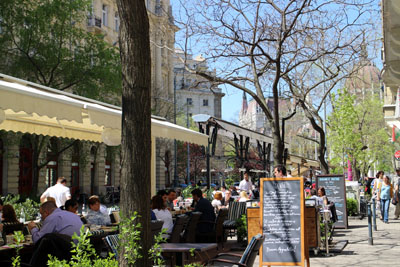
{"x": 182, "y": 250}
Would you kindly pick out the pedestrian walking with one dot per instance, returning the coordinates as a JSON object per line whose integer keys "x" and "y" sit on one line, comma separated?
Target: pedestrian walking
{"x": 375, "y": 184}
{"x": 396, "y": 184}
{"x": 385, "y": 194}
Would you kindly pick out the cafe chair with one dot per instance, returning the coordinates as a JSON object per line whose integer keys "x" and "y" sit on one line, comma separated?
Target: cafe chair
{"x": 217, "y": 235}
{"x": 55, "y": 244}
{"x": 11, "y": 227}
{"x": 189, "y": 235}
{"x": 235, "y": 211}
{"x": 246, "y": 259}
{"x": 112, "y": 243}
{"x": 156, "y": 226}
{"x": 179, "y": 225}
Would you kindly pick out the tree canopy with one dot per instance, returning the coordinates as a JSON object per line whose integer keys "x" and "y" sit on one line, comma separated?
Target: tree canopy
{"x": 357, "y": 132}
{"x": 47, "y": 42}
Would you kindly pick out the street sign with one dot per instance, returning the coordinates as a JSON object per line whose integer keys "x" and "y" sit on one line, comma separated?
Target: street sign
{"x": 397, "y": 154}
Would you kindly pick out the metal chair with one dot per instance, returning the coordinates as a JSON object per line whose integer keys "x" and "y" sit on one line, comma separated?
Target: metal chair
{"x": 156, "y": 226}
{"x": 218, "y": 233}
{"x": 189, "y": 235}
{"x": 235, "y": 211}
{"x": 246, "y": 259}
{"x": 179, "y": 225}
{"x": 112, "y": 243}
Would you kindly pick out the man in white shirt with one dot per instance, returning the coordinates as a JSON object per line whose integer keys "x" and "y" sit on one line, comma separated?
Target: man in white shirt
{"x": 60, "y": 192}
{"x": 245, "y": 184}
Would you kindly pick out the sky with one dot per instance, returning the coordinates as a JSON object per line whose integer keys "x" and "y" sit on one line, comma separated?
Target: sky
{"x": 232, "y": 101}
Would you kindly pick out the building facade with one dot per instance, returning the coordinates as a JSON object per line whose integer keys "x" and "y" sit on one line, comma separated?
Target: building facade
{"x": 91, "y": 167}
{"x": 194, "y": 94}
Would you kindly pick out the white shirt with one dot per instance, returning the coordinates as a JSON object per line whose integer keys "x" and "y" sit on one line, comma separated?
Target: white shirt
{"x": 59, "y": 192}
{"x": 216, "y": 203}
{"x": 166, "y": 217}
{"x": 245, "y": 186}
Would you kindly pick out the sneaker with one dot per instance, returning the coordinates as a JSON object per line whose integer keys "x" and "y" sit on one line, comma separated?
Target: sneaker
{"x": 387, "y": 222}
{"x": 396, "y": 218}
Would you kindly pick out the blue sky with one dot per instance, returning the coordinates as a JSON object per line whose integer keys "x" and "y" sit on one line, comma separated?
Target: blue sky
{"x": 232, "y": 101}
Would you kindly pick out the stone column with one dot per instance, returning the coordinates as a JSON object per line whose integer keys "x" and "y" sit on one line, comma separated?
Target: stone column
{"x": 12, "y": 160}
{"x": 101, "y": 162}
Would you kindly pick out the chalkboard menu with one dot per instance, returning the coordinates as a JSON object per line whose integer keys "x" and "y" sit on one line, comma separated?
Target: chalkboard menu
{"x": 282, "y": 215}
{"x": 335, "y": 190}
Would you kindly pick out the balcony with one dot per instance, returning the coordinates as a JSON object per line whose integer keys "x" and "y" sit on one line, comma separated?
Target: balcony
{"x": 94, "y": 24}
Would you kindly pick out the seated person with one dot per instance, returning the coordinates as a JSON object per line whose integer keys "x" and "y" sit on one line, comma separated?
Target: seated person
{"x": 9, "y": 215}
{"x": 162, "y": 213}
{"x": 95, "y": 216}
{"x": 204, "y": 206}
{"x": 227, "y": 199}
{"x": 55, "y": 220}
{"x": 243, "y": 196}
{"x": 71, "y": 205}
{"x": 216, "y": 203}
{"x": 318, "y": 200}
{"x": 170, "y": 199}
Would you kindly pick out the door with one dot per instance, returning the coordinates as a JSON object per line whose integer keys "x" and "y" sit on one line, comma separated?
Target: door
{"x": 74, "y": 177}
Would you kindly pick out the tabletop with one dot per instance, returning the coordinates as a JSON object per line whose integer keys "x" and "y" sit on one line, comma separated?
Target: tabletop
{"x": 187, "y": 247}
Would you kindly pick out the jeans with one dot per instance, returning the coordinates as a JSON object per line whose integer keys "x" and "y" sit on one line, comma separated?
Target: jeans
{"x": 385, "y": 209}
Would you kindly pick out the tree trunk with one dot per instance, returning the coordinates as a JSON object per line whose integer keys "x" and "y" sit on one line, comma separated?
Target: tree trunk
{"x": 322, "y": 144}
{"x": 136, "y": 120}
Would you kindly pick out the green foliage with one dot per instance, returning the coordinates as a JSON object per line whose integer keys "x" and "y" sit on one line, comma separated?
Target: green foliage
{"x": 30, "y": 207}
{"x": 242, "y": 228}
{"x": 351, "y": 206}
{"x": 130, "y": 236}
{"x": 47, "y": 42}
{"x": 357, "y": 132}
{"x": 19, "y": 239}
{"x": 155, "y": 251}
{"x": 83, "y": 254}
{"x": 187, "y": 191}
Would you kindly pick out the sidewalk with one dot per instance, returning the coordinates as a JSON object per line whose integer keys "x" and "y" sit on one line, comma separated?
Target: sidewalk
{"x": 384, "y": 251}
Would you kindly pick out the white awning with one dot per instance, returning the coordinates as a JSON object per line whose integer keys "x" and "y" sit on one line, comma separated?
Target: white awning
{"x": 31, "y": 108}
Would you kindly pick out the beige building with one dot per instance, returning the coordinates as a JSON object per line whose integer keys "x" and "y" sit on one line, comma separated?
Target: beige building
{"x": 391, "y": 61}
{"x": 104, "y": 19}
{"x": 194, "y": 94}
{"x": 91, "y": 166}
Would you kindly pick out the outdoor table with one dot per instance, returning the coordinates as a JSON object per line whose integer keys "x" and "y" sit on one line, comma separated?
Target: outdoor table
{"x": 182, "y": 250}
{"x": 8, "y": 251}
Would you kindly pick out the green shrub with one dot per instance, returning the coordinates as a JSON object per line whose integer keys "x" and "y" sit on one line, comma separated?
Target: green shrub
{"x": 30, "y": 207}
{"x": 242, "y": 228}
{"x": 351, "y": 207}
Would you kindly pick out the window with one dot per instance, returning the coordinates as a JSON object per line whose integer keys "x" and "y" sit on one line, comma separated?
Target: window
{"x": 108, "y": 166}
{"x": 116, "y": 20}
{"x": 105, "y": 15}
{"x": 205, "y": 102}
{"x": 189, "y": 101}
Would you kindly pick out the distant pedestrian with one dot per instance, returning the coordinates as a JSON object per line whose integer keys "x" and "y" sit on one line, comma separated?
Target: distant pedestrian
{"x": 60, "y": 192}
{"x": 396, "y": 183}
{"x": 376, "y": 184}
{"x": 385, "y": 194}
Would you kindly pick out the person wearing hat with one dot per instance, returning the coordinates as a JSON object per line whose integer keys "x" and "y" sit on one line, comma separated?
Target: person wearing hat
{"x": 396, "y": 184}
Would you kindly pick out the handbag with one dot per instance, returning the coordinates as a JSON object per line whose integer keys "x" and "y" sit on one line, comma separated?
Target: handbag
{"x": 394, "y": 201}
